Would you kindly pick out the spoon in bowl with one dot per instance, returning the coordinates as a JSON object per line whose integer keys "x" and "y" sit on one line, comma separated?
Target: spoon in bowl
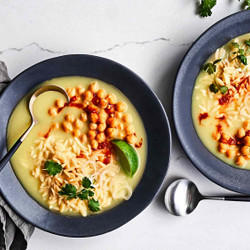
{"x": 183, "y": 196}
{"x": 34, "y": 121}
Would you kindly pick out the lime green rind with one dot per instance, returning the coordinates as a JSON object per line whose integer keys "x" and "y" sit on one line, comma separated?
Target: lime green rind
{"x": 128, "y": 157}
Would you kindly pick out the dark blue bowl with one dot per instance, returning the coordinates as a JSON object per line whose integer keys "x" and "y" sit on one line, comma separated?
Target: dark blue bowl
{"x": 158, "y": 140}
{"x": 216, "y": 170}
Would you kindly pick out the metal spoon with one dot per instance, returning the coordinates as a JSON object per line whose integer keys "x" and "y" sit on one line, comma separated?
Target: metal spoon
{"x": 182, "y": 197}
{"x": 34, "y": 121}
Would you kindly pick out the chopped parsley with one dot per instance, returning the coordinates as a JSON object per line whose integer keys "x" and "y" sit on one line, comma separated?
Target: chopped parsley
{"x": 214, "y": 87}
{"x": 240, "y": 54}
{"x": 70, "y": 191}
{"x": 53, "y": 168}
{"x": 206, "y": 7}
{"x": 210, "y": 68}
{"x": 247, "y": 42}
{"x": 94, "y": 205}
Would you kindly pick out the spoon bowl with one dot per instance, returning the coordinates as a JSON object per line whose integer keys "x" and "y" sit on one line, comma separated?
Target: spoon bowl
{"x": 34, "y": 121}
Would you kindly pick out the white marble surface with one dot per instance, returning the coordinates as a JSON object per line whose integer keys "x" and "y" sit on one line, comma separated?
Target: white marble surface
{"x": 150, "y": 37}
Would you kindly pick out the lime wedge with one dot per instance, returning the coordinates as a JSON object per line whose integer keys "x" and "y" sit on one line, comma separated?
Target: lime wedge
{"x": 126, "y": 156}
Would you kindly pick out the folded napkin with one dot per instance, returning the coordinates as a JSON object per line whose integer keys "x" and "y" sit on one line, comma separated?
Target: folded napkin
{"x": 14, "y": 231}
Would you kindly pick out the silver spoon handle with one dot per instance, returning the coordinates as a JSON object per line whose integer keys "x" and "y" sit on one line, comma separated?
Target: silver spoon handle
{"x": 14, "y": 148}
{"x": 229, "y": 198}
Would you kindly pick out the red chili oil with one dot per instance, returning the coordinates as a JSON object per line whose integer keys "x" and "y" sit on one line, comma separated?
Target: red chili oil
{"x": 202, "y": 116}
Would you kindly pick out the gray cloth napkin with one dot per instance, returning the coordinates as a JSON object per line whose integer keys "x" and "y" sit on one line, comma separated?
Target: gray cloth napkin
{"x": 14, "y": 231}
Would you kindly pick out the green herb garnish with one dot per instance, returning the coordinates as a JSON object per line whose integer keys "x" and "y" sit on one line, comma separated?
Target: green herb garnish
{"x": 223, "y": 89}
{"x": 206, "y": 7}
{"x": 94, "y": 205}
{"x": 247, "y": 42}
{"x": 53, "y": 168}
{"x": 70, "y": 191}
{"x": 213, "y": 88}
{"x": 210, "y": 68}
{"x": 240, "y": 54}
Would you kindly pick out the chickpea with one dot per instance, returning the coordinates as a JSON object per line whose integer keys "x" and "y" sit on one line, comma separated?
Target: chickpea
{"x": 121, "y": 107}
{"x": 230, "y": 153}
{"x": 85, "y": 104}
{"x": 100, "y": 137}
{"x": 69, "y": 117}
{"x": 118, "y": 115}
{"x": 130, "y": 129}
{"x": 131, "y": 139}
{"x": 111, "y": 98}
{"x": 71, "y": 92}
{"x": 92, "y": 134}
{"x": 59, "y": 103}
{"x": 246, "y": 140}
{"x": 222, "y": 147}
{"x": 121, "y": 134}
{"x": 101, "y": 93}
{"x": 101, "y": 127}
{"x": 102, "y": 116}
{"x": 76, "y": 133}
{"x": 240, "y": 160}
{"x": 80, "y": 90}
{"x": 241, "y": 133}
{"x": 94, "y": 117}
{"x": 94, "y": 144}
{"x": 245, "y": 150}
{"x": 120, "y": 126}
{"x": 93, "y": 87}
{"x": 103, "y": 103}
{"x": 112, "y": 122}
{"x": 52, "y": 111}
{"x": 78, "y": 123}
{"x": 93, "y": 126}
{"x": 225, "y": 136}
{"x": 55, "y": 126}
{"x": 246, "y": 125}
{"x": 127, "y": 118}
{"x": 83, "y": 138}
{"x": 84, "y": 116}
{"x": 88, "y": 96}
{"x": 93, "y": 108}
{"x": 111, "y": 132}
{"x": 217, "y": 136}
{"x": 67, "y": 126}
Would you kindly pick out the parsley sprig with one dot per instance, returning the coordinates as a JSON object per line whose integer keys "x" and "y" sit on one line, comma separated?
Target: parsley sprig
{"x": 53, "y": 168}
{"x": 210, "y": 68}
{"x": 205, "y": 7}
{"x": 240, "y": 54}
{"x": 70, "y": 191}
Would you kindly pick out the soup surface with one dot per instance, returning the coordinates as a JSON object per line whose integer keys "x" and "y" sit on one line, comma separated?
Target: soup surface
{"x": 221, "y": 103}
{"x": 68, "y": 162}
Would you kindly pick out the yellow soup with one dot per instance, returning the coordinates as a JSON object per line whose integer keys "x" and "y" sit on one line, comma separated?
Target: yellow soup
{"x": 72, "y": 143}
{"x": 221, "y": 103}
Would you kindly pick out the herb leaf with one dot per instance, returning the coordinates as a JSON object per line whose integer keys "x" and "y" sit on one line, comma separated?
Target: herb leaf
{"x": 206, "y": 7}
{"x": 53, "y": 168}
{"x": 240, "y": 53}
{"x": 223, "y": 89}
{"x": 209, "y": 68}
{"x": 86, "y": 182}
{"x": 242, "y": 59}
{"x": 83, "y": 195}
{"x": 213, "y": 88}
{"x": 94, "y": 205}
{"x": 69, "y": 190}
{"x": 248, "y": 42}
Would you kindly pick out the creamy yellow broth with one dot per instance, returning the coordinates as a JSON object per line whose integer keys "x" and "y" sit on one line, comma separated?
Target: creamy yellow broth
{"x": 22, "y": 162}
{"x": 207, "y": 127}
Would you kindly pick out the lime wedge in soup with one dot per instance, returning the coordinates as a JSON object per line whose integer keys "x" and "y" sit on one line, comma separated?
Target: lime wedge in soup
{"x": 126, "y": 156}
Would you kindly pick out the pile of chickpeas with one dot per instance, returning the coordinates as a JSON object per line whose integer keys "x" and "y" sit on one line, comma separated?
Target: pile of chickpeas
{"x": 241, "y": 151}
{"x": 105, "y": 116}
